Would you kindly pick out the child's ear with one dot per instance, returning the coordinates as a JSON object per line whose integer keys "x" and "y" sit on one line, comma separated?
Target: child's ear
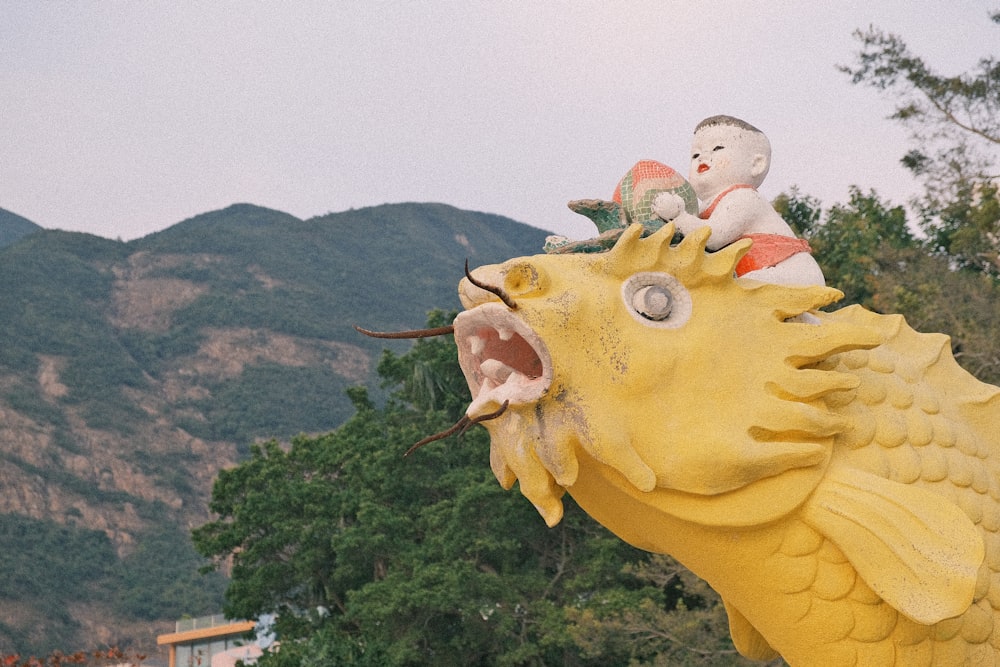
{"x": 759, "y": 166}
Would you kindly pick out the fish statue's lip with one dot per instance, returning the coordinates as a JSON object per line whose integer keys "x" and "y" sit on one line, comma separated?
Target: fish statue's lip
{"x": 503, "y": 359}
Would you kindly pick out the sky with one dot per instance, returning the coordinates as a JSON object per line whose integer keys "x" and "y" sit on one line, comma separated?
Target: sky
{"x": 120, "y": 119}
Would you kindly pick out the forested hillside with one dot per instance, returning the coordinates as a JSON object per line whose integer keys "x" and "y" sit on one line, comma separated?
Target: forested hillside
{"x": 131, "y": 373}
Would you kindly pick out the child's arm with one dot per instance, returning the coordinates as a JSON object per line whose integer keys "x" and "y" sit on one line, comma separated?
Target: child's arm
{"x": 735, "y": 215}
{"x": 670, "y": 207}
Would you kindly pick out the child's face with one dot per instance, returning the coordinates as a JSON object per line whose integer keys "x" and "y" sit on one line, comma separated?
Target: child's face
{"x": 721, "y": 156}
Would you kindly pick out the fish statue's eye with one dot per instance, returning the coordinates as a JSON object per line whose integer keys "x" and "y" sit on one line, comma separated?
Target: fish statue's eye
{"x": 657, "y": 300}
{"x": 653, "y": 302}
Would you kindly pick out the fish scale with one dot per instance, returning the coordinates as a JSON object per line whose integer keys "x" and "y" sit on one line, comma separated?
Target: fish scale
{"x": 912, "y": 441}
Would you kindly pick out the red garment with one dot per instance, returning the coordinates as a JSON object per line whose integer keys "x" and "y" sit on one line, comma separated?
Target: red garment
{"x": 769, "y": 250}
{"x": 704, "y": 215}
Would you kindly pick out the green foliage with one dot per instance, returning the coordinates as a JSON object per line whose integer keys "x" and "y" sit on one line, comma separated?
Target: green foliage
{"x": 945, "y": 280}
{"x": 370, "y": 558}
{"x": 428, "y": 377}
{"x": 30, "y": 557}
{"x": 955, "y": 130}
{"x": 689, "y": 631}
{"x": 56, "y": 307}
{"x": 154, "y": 351}
{"x": 935, "y": 297}
{"x": 967, "y": 229}
{"x": 48, "y": 568}
{"x": 801, "y": 212}
{"x": 269, "y": 399}
{"x": 851, "y": 239}
{"x": 51, "y": 308}
{"x": 41, "y": 580}
{"x": 866, "y": 250}
{"x": 28, "y": 400}
{"x": 160, "y": 578}
{"x": 955, "y": 117}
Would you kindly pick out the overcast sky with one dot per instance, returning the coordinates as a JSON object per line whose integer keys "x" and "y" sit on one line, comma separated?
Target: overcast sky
{"x": 123, "y": 118}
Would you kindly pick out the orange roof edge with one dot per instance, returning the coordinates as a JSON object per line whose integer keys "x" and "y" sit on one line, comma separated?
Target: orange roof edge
{"x": 238, "y": 627}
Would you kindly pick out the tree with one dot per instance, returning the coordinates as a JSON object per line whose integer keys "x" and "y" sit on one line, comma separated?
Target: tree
{"x": 688, "y": 631}
{"x": 866, "y": 250}
{"x": 370, "y": 558}
{"x": 958, "y": 117}
{"x": 936, "y": 297}
{"x": 850, "y": 239}
{"x": 967, "y": 230}
{"x": 955, "y": 128}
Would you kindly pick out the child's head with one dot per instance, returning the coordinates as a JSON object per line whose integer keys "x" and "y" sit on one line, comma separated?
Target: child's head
{"x": 727, "y": 151}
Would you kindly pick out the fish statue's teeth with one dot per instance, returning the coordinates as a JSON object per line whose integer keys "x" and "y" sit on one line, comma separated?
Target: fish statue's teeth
{"x": 496, "y": 370}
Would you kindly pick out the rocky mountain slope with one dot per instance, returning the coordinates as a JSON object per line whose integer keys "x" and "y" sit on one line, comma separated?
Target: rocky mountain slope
{"x": 130, "y": 373}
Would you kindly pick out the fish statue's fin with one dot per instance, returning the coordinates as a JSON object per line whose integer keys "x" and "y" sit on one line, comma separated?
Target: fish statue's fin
{"x": 746, "y": 638}
{"x": 604, "y": 214}
{"x": 914, "y": 548}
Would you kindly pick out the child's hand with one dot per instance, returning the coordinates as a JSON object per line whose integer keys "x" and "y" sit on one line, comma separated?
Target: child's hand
{"x": 667, "y": 205}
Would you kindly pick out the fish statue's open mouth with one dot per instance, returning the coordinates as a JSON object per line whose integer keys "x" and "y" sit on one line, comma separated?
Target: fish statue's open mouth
{"x": 503, "y": 359}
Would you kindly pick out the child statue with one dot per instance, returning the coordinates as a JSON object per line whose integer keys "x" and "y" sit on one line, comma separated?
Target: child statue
{"x": 729, "y": 160}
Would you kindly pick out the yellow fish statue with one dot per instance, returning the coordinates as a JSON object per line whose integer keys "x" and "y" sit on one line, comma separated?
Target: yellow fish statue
{"x": 834, "y": 477}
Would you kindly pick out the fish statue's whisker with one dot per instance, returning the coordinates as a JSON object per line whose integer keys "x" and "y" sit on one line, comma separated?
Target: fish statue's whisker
{"x": 414, "y": 333}
{"x": 460, "y": 427}
{"x": 492, "y": 289}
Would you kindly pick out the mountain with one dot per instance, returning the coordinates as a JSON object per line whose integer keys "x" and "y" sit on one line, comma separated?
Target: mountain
{"x": 13, "y": 227}
{"x": 131, "y": 373}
